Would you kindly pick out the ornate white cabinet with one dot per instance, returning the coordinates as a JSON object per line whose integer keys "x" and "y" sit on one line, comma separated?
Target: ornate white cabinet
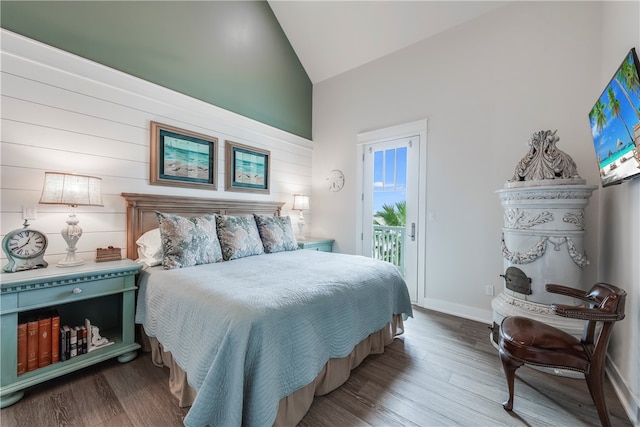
{"x": 543, "y": 235}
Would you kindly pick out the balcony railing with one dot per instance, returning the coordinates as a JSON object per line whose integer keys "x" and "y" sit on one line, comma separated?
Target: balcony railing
{"x": 388, "y": 244}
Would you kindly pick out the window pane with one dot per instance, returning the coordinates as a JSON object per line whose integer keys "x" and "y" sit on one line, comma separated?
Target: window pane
{"x": 378, "y": 172}
{"x": 401, "y": 168}
{"x": 387, "y": 198}
{"x": 389, "y": 169}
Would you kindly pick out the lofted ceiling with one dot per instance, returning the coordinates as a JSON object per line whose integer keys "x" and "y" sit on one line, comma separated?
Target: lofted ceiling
{"x": 331, "y": 37}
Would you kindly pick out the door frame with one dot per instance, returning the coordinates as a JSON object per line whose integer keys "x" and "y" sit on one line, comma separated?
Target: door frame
{"x": 417, "y": 128}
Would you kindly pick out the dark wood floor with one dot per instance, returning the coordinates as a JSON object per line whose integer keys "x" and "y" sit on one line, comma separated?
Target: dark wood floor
{"x": 442, "y": 372}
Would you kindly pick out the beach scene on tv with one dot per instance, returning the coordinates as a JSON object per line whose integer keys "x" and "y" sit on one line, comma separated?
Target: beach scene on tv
{"x": 249, "y": 168}
{"x": 615, "y": 125}
{"x": 186, "y": 159}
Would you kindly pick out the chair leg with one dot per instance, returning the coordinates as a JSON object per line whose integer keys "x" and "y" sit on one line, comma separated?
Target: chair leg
{"x": 509, "y": 365}
{"x": 594, "y": 382}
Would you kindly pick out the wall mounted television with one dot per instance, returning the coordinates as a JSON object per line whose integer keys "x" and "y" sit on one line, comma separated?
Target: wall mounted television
{"x": 615, "y": 124}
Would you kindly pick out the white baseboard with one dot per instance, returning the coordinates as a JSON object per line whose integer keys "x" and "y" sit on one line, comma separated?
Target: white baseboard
{"x": 629, "y": 401}
{"x": 459, "y": 310}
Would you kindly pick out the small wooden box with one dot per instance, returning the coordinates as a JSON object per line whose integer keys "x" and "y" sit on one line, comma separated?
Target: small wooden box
{"x": 108, "y": 254}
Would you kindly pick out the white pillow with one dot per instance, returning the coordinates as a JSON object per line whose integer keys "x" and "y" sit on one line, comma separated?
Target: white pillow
{"x": 150, "y": 248}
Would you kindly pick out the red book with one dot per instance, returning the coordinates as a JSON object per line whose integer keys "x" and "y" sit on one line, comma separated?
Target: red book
{"x": 22, "y": 348}
{"x": 32, "y": 345}
{"x": 84, "y": 340}
{"x": 44, "y": 341}
{"x": 55, "y": 337}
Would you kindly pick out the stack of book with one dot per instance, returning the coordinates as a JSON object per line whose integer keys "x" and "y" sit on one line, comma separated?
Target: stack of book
{"x": 42, "y": 341}
{"x": 38, "y": 340}
{"x": 73, "y": 342}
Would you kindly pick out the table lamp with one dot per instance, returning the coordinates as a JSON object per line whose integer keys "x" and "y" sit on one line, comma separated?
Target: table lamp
{"x": 72, "y": 190}
{"x": 300, "y": 203}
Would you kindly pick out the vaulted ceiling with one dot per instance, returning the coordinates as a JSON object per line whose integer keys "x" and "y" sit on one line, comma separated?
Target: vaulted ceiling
{"x": 331, "y": 37}
{"x": 233, "y": 54}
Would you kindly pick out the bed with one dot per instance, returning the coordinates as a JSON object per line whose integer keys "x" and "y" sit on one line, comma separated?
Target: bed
{"x": 251, "y": 340}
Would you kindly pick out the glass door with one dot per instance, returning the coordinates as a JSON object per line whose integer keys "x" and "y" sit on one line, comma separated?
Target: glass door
{"x": 390, "y": 205}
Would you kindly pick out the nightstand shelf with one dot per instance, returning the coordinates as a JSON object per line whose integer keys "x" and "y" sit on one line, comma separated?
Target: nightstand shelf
{"x": 102, "y": 292}
{"x": 316, "y": 244}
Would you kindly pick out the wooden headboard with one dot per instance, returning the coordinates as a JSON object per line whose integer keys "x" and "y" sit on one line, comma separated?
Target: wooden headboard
{"x": 141, "y": 210}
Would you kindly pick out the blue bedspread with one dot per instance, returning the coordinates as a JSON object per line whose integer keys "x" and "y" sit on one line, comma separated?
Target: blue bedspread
{"x": 251, "y": 331}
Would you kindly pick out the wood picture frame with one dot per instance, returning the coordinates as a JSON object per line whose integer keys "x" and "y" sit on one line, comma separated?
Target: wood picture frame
{"x": 182, "y": 158}
{"x": 247, "y": 169}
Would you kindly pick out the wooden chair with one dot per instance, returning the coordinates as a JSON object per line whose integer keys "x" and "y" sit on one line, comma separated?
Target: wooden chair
{"x": 527, "y": 341}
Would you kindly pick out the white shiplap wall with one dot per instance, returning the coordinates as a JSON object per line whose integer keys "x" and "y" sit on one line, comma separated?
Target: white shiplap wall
{"x": 64, "y": 113}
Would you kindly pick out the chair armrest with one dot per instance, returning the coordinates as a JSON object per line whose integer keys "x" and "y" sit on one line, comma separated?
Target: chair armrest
{"x": 566, "y": 290}
{"x": 585, "y": 313}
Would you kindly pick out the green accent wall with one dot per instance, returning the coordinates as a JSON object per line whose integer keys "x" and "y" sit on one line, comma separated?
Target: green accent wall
{"x": 232, "y": 54}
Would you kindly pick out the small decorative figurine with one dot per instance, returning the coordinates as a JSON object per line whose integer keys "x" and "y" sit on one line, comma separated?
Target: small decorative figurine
{"x": 96, "y": 339}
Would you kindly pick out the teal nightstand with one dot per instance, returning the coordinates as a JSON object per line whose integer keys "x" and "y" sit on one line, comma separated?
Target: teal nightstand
{"x": 316, "y": 244}
{"x": 102, "y": 292}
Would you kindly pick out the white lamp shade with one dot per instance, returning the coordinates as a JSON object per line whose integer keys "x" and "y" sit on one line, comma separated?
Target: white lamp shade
{"x": 71, "y": 189}
{"x": 300, "y": 202}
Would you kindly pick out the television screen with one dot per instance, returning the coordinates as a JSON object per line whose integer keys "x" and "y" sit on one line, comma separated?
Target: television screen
{"x": 615, "y": 124}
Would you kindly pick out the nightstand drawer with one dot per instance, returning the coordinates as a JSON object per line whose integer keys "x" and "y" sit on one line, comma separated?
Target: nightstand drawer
{"x": 316, "y": 244}
{"x": 69, "y": 293}
{"x": 323, "y": 247}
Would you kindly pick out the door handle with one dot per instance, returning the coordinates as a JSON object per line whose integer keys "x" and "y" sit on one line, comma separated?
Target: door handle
{"x": 413, "y": 232}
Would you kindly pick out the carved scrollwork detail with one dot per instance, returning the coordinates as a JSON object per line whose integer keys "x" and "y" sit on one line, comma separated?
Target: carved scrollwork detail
{"x": 580, "y": 259}
{"x": 518, "y": 219}
{"x": 544, "y": 160}
{"x": 524, "y": 257}
{"x": 528, "y": 306}
{"x": 557, "y": 242}
{"x": 576, "y": 219}
{"x": 535, "y": 194}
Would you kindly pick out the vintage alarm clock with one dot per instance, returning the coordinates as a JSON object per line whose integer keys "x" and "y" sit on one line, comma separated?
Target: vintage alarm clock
{"x": 25, "y": 249}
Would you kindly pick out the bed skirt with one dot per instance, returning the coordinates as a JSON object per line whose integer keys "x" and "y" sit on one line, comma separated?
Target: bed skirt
{"x": 292, "y": 408}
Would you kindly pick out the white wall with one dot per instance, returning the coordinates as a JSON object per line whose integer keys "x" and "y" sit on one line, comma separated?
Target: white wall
{"x": 64, "y": 113}
{"x": 485, "y": 87}
{"x": 619, "y": 261}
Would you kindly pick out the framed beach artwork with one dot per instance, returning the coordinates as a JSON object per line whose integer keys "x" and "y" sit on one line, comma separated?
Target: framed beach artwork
{"x": 182, "y": 158}
{"x": 247, "y": 169}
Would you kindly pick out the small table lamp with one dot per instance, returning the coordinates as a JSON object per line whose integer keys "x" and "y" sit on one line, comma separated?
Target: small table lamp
{"x": 300, "y": 203}
{"x": 73, "y": 190}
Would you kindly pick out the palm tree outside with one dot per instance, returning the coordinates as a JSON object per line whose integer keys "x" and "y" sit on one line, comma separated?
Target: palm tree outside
{"x": 388, "y": 232}
{"x": 392, "y": 215}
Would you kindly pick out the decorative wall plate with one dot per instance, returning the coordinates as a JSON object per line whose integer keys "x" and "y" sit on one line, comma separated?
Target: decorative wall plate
{"x": 335, "y": 180}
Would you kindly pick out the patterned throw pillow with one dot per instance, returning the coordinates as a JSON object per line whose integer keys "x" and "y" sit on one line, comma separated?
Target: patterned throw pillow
{"x": 276, "y": 233}
{"x": 238, "y": 236}
{"x": 188, "y": 241}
